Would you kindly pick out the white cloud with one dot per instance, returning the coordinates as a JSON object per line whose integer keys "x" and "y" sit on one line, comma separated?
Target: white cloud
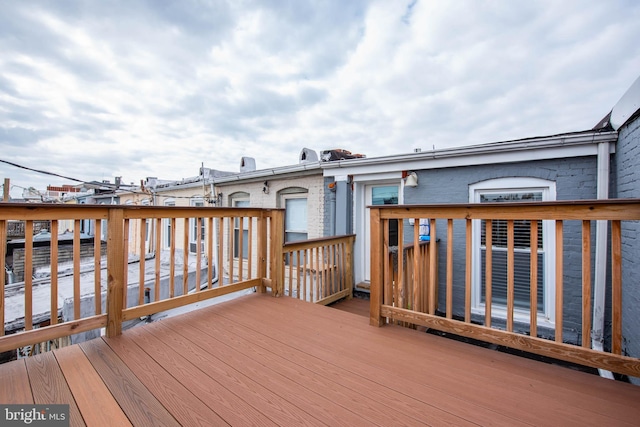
{"x": 134, "y": 89}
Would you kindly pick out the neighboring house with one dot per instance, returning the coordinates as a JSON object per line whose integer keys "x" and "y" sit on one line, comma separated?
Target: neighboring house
{"x": 299, "y": 189}
{"x": 98, "y": 193}
{"x": 186, "y": 192}
{"x": 597, "y": 163}
{"x": 544, "y": 168}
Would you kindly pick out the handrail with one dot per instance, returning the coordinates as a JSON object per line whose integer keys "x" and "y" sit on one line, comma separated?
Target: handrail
{"x": 232, "y": 243}
{"x": 453, "y": 226}
{"x": 319, "y": 270}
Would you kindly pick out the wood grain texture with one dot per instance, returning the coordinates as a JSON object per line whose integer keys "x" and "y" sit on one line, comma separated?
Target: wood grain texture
{"x": 359, "y": 306}
{"x": 140, "y": 406}
{"x": 10, "y": 342}
{"x": 16, "y": 387}
{"x": 557, "y": 350}
{"x": 218, "y": 390}
{"x": 186, "y": 407}
{"x": 96, "y": 404}
{"x": 50, "y": 387}
{"x": 115, "y": 272}
{"x": 259, "y": 360}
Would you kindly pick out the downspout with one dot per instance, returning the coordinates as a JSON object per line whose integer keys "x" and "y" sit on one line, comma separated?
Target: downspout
{"x": 332, "y": 208}
{"x": 600, "y": 282}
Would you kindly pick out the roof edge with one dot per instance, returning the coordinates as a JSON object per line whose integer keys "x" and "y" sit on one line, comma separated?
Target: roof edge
{"x": 552, "y": 141}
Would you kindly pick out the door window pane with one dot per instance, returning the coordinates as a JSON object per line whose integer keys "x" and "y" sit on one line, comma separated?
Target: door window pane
{"x": 387, "y": 195}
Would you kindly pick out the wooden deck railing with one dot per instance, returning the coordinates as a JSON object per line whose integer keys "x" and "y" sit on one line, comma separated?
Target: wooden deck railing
{"x": 410, "y": 276}
{"x": 319, "y": 270}
{"x": 241, "y": 247}
{"x": 397, "y": 294}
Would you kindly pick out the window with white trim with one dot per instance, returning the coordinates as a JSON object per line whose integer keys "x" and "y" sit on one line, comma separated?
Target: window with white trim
{"x": 295, "y": 217}
{"x": 193, "y": 228}
{"x": 167, "y": 225}
{"x": 294, "y": 202}
{"x": 241, "y": 226}
{"x": 514, "y": 190}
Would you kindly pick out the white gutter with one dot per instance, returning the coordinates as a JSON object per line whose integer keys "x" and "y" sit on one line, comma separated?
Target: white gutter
{"x": 307, "y": 167}
{"x": 553, "y": 147}
{"x": 600, "y": 282}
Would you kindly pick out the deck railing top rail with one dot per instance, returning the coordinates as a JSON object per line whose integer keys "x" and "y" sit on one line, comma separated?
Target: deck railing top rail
{"x": 614, "y": 209}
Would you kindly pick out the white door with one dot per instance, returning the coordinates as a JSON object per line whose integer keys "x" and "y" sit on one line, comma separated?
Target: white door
{"x": 378, "y": 194}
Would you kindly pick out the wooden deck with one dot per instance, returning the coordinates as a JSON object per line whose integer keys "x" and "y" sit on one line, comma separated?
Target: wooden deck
{"x": 359, "y": 306}
{"x": 258, "y": 360}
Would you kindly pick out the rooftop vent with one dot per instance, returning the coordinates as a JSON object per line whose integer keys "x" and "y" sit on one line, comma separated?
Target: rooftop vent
{"x": 247, "y": 164}
{"x": 308, "y": 156}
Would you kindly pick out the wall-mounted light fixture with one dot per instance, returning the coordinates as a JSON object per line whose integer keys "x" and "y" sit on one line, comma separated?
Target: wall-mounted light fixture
{"x": 265, "y": 188}
{"x": 411, "y": 179}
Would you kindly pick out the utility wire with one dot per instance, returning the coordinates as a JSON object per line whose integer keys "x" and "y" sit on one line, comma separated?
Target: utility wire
{"x": 108, "y": 185}
{"x": 60, "y": 176}
{"x": 41, "y": 171}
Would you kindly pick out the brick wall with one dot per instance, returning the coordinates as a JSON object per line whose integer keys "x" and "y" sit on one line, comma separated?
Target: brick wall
{"x": 314, "y": 184}
{"x": 626, "y": 183}
{"x": 575, "y": 178}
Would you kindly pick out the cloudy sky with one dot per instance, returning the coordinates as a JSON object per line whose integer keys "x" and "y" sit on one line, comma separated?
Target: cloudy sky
{"x": 97, "y": 89}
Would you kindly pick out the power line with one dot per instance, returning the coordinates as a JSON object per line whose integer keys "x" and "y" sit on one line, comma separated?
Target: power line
{"x": 41, "y": 171}
{"x": 108, "y": 185}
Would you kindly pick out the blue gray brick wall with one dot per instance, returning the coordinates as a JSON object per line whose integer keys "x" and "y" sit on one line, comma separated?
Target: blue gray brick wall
{"x": 626, "y": 184}
{"x": 575, "y": 178}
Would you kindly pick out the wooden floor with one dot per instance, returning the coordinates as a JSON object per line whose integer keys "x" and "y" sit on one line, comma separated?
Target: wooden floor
{"x": 359, "y": 306}
{"x": 259, "y": 360}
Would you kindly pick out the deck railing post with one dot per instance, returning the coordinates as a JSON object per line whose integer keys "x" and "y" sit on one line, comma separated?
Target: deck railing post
{"x": 349, "y": 265}
{"x": 262, "y": 250}
{"x": 376, "y": 285}
{"x": 115, "y": 271}
{"x": 277, "y": 256}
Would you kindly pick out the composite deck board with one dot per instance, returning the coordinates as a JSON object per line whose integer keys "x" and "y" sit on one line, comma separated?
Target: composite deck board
{"x": 314, "y": 376}
{"x": 258, "y": 360}
{"x": 186, "y": 407}
{"x": 332, "y": 366}
{"x": 557, "y": 382}
{"x": 422, "y": 401}
{"x": 261, "y": 369}
{"x": 239, "y": 382}
{"x": 184, "y": 367}
{"x": 16, "y": 387}
{"x": 96, "y": 404}
{"x": 50, "y": 387}
{"x": 140, "y": 406}
{"x": 462, "y": 377}
{"x": 359, "y": 306}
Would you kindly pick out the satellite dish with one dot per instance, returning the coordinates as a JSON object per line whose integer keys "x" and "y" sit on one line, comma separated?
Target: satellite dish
{"x": 628, "y": 105}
